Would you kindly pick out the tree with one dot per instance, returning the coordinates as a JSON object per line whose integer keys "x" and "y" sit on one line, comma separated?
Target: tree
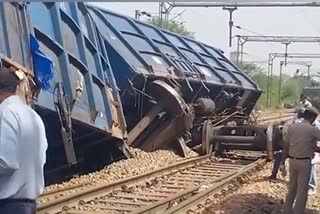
{"x": 251, "y": 68}
{"x": 172, "y": 26}
{"x": 291, "y": 86}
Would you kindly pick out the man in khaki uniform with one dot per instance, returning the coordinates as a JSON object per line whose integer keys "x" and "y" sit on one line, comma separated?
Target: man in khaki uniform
{"x": 300, "y": 145}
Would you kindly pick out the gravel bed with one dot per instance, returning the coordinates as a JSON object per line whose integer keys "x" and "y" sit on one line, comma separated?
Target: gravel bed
{"x": 142, "y": 162}
{"x": 256, "y": 196}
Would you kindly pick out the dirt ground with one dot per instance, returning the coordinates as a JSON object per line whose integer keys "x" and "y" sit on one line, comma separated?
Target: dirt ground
{"x": 258, "y": 196}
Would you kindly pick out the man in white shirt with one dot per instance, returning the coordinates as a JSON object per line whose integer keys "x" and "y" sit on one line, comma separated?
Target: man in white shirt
{"x": 23, "y": 146}
{"x": 304, "y": 102}
{"x": 313, "y": 175}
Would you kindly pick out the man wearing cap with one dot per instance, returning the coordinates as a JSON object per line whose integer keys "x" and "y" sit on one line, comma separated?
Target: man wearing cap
{"x": 300, "y": 146}
{"x": 23, "y": 147}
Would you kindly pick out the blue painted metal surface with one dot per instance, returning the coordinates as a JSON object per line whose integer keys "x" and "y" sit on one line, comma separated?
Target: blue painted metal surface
{"x": 141, "y": 51}
{"x": 14, "y": 33}
{"x": 67, "y": 36}
{"x": 42, "y": 65}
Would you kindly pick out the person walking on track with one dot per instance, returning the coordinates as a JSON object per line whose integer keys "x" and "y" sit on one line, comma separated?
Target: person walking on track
{"x": 300, "y": 146}
{"x": 23, "y": 146}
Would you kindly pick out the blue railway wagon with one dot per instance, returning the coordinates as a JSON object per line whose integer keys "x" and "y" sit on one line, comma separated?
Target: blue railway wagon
{"x": 141, "y": 53}
{"x": 83, "y": 99}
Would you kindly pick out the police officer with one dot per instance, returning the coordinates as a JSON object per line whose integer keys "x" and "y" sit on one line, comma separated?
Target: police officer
{"x": 300, "y": 145}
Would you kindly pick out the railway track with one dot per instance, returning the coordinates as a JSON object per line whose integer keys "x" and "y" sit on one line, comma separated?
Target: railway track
{"x": 154, "y": 192}
{"x": 170, "y": 189}
{"x": 281, "y": 115}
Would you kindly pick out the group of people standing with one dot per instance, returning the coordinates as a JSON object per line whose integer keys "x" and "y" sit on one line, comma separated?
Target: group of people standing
{"x": 301, "y": 147}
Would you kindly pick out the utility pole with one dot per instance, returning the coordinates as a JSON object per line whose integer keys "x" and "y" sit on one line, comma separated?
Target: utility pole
{"x": 230, "y": 10}
{"x": 280, "y": 82}
{"x": 272, "y": 56}
{"x": 164, "y": 11}
{"x": 139, "y": 13}
{"x": 251, "y": 4}
{"x": 286, "y": 40}
{"x": 286, "y": 52}
{"x": 231, "y": 7}
{"x": 269, "y": 79}
{"x": 308, "y": 74}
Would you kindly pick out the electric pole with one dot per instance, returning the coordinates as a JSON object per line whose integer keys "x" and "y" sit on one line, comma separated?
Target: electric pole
{"x": 286, "y": 52}
{"x": 280, "y": 82}
{"x": 272, "y": 56}
{"x": 308, "y": 74}
{"x": 139, "y": 13}
{"x": 230, "y": 10}
{"x": 231, "y": 7}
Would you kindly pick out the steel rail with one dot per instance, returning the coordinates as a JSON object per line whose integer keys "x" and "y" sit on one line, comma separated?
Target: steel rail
{"x": 216, "y": 182}
{"x": 102, "y": 190}
{"x": 261, "y": 119}
{"x": 275, "y": 121}
{"x": 89, "y": 193}
{"x": 219, "y": 171}
{"x": 184, "y": 206}
{"x": 71, "y": 187}
{"x": 71, "y": 200}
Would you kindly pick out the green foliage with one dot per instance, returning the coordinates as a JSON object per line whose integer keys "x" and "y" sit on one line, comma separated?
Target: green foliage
{"x": 251, "y": 68}
{"x": 171, "y": 26}
{"x": 291, "y": 87}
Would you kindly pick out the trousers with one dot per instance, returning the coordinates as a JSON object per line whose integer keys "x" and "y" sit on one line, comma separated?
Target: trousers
{"x": 313, "y": 178}
{"x": 276, "y": 164}
{"x": 17, "y": 206}
{"x": 299, "y": 174}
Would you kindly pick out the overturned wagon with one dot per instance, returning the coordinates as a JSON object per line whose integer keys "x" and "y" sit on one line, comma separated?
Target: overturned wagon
{"x": 80, "y": 104}
{"x": 176, "y": 89}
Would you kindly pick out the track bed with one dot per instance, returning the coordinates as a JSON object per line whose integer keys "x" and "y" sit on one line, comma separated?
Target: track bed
{"x": 156, "y": 191}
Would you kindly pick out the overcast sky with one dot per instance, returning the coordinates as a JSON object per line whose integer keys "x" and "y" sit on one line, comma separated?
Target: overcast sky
{"x": 211, "y": 26}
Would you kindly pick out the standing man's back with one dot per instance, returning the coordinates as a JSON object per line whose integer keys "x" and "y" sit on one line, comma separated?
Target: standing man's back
{"x": 23, "y": 147}
{"x": 300, "y": 145}
{"x": 299, "y": 133}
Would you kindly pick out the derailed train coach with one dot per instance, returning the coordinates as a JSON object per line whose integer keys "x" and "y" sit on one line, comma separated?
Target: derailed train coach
{"x": 176, "y": 89}
{"x": 77, "y": 58}
{"x": 75, "y": 93}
